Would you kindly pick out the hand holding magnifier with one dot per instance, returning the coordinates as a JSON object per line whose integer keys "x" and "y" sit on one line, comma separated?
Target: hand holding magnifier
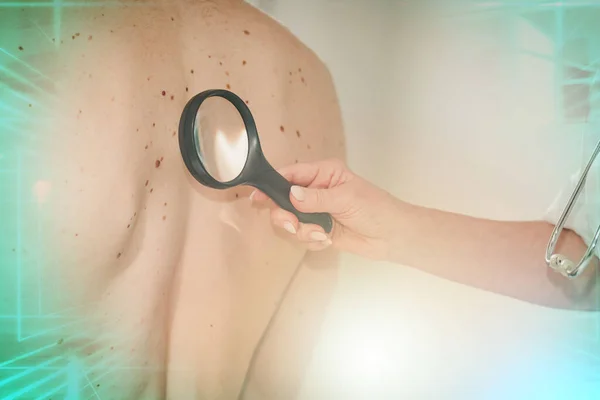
{"x": 217, "y": 116}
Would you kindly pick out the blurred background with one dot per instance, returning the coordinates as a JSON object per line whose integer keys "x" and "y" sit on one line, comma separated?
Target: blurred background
{"x": 481, "y": 108}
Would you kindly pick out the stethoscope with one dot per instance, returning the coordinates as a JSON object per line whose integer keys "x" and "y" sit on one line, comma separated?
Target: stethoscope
{"x": 559, "y": 262}
{"x": 256, "y": 170}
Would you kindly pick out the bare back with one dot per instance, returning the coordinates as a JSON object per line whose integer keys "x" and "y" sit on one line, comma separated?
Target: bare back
{"x": 169, "y": 285}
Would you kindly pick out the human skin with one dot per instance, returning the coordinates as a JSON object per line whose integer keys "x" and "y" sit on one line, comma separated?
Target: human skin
{"x": 169, "y": 285}
{"x": 504, "y": 257}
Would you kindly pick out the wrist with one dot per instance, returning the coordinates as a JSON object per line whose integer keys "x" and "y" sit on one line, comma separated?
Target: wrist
{"x": 399, "y": 226}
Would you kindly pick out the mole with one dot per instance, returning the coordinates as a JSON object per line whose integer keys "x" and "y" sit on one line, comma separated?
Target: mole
{"x": 192, "y": 71}
{"x": 147, "y": 182}
{"x": 246, "y": 32}
{"x": 118, "y": 255}
{"x": 90, "y": 37}
{"x": 227, "y": 73}
{"x": 60, "y": 341}
{"x": 172, "y": 97}
{"x": 164, "y": 217}
{"x": 164, "y": 93}
{"x": 282, "y": 128}
{"x": 298, "y": 133}
{"x": 151, "y": 190}
{"x": 157, "y": 163}
{"x": 21, "y": 48}
{"x": 187, "y": 89}
{"x": 228, "y": 86}
{"x": 244, "y": 62}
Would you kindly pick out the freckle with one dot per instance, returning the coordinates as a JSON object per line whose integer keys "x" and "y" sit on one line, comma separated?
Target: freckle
{"x": 30, "y": 106}
{"x": 165, "y": 204}
{"x": 118, "y": 255}
{"x": 146, "y": 148}
{"x": 174, "y": 133}
{"x": 111, "y": 31}
{"x": 153, "y": 124}
{"x": 246, "y": 32}
{"x": 209, "y": 56}
{"x": 247, "y": 102}
{"x": 77, "y": 34}
{"x": 135, "y": 214}
{"x": 77, "y": 234}
{"x": 192, "y": 71}
{"x": 21, "y": 48}
{"x": 90, "y": 37}
{"x": 299, "y": 69}
{"x": 187, "y": 89}
{"x": 298, "y": 133}
{"x": 112, "y": 347}
{"x": 296, "y": 161}
{"x": 227, "y": 73}
{"x": 162, "y": 158}
{"x": 172, "y": 19}
{"x": 60, "y": 341}
{"x": 128, "y": 226}
{"x": 151, "y": 190}
{"x": 147, "y": 182}
{"x": 164, "y": 217}
{"x": 302, "y": 79}
{"x": 281, "y": 128}
{"x": 164, "y": 93}
{"x": 308, "y": 146}
{"x": 228, "y": 86}
{"x": 290, "y": 73}
{"x": 172, "y": 97}
{"x": 157, "y": 163}
{"x": 73, "y": 37}
{"x": 237, "y": 196}
{"x": 244, "y": 62}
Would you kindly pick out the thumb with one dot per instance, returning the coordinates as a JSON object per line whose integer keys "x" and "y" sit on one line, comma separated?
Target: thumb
{"x": 312, "y": 200}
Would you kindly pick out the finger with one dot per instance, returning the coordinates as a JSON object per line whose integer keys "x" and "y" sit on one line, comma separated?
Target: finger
{"x": 309, "y": 200}
{"x": 309, "y": 233}
{"x": 285, "y": 220}
{"x": 258, "y": 197}
{"x": 318, "y": 246}
{"x": 322, "y": 174}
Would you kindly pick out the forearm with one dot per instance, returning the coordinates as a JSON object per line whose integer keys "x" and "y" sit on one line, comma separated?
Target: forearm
{"x": 502, "y": 257}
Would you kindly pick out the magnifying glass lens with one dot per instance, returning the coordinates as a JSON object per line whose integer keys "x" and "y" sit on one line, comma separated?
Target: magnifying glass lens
{"x": 221, "y": 139}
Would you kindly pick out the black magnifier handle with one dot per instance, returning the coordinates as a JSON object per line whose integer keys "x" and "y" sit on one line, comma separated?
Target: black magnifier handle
{"x": 278, "y": 189}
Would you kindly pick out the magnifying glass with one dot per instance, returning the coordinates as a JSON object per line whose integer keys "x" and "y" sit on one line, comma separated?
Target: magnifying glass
{"x": 219, "y": 144}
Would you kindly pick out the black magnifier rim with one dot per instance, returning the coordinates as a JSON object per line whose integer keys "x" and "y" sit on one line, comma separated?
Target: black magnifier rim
{"x": 188, "y": 143}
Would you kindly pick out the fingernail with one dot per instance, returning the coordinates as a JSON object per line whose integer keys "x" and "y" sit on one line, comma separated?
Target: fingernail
{"x": 318, "y": 236}
{"x": 298, "y": 193}
{"x": 289, "y": 227}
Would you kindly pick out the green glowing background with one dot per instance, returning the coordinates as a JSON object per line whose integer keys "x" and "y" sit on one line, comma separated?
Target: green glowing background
{"x": 30, "y": 366}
